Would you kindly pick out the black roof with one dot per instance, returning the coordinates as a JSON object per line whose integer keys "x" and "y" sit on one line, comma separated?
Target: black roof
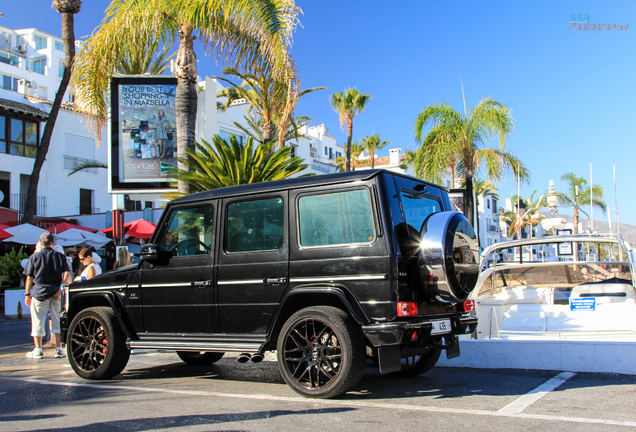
{"x": 298, "y": 182}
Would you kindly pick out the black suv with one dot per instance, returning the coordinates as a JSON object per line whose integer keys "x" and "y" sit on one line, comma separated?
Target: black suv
{"x": 329, "y": 271}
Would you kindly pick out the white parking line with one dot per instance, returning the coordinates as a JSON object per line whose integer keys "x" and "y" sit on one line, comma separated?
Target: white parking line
{"x": 528, "y": 399}
{"x": 352, "y": 403}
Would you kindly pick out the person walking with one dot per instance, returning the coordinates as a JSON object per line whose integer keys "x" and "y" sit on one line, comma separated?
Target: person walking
{"x": 45, "y": 272}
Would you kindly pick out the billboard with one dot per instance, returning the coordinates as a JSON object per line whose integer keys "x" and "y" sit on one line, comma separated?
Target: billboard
{"x": 143, "y": 133}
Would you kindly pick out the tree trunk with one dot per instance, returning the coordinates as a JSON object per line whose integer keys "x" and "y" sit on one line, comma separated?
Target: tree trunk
{"x": 575, "y": 228}
{"x": 186, "y": 100}
{"x": 268, "y": 133}
{"x": 372, "y": 160}
{"x": 68, "y": 9}
{"x": 469, "y": 199}
{"x": 349, "y": 136}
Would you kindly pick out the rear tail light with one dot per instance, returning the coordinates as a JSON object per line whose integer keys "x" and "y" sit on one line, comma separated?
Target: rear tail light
{"x": 407, "y": 309}
{"x": 468, "y": 306}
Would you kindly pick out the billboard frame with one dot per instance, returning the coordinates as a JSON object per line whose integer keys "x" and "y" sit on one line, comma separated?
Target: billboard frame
{"x": 116, "y": 173}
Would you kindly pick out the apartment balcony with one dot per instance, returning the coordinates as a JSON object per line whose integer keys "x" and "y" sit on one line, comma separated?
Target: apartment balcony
{"x": 72, "y": 163}
{"x": 18, "y": 202}
{"x": 492, "y": 228}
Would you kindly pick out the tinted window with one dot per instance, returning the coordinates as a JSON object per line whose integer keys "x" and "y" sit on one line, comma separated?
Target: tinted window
{"x": 336, "y": 218}
{"x": 255, "y": 225}
{"x": 416, "y": 209}
{"x": 189, "y": 232}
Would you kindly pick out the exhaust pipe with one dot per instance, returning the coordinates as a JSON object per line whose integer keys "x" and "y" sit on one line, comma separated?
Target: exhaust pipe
{"x": 257, "y": 358}
{"x": 243, "y": 358}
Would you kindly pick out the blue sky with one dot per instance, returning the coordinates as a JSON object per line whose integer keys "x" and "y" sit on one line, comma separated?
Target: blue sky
{"x": 571, "y": 92}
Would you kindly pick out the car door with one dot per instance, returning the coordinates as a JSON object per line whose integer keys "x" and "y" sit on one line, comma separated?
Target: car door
{"x": 178, "y": 288}
{"x": 253, "y": 262}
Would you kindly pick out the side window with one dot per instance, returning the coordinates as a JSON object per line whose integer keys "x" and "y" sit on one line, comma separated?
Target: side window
{"x": 416, "y": 209}
{"x": 255, "y": 225}
{"x": 189, "y": 232}
{"x": 336, "y": 218}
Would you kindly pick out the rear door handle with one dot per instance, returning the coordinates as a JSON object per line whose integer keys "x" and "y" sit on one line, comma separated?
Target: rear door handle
{"x": 200, "y": 284}
{"x": 275, "y": 281}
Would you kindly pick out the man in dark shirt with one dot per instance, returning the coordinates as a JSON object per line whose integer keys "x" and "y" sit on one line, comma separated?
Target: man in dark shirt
{"x": 45, "y": 272}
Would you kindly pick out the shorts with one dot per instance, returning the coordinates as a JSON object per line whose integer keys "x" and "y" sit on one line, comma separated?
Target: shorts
{"x": 39, "y": 308}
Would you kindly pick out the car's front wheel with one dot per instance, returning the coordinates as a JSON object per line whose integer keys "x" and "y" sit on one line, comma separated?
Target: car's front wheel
{"x": 321, "y": 352}
{"x": 96, "y": 344}
{"x": 199, "y": 358}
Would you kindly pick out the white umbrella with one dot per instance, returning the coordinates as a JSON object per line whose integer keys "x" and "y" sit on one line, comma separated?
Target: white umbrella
{"x": 25, "y": 234}
{"x": 74, "y": 236}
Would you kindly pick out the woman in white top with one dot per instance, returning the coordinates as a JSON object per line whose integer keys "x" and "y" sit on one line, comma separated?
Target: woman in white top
{"x": 92, "y": 269}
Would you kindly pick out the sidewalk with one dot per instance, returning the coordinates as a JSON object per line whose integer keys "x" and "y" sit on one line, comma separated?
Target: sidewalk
{"x": 15, "y": 337}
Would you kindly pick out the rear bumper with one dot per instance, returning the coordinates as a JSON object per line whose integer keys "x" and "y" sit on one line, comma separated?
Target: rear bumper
{"x": 396, "y": 333}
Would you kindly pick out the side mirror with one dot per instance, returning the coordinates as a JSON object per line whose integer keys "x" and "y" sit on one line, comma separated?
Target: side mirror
{"x": 148, "y": 252}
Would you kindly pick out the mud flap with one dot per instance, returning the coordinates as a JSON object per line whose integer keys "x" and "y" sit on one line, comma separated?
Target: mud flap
{"x": 389, "y": 359}
{"x": 453, "y": 350}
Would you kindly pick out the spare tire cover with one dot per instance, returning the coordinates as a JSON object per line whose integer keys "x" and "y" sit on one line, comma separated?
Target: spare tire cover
{"x": 448, "y": 260}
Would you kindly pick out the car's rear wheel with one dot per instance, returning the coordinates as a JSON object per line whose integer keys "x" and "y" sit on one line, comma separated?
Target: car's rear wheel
{"x": 96, "y": 344}
{"x": 321, "y": 352}
{"x": 199, "y": 358}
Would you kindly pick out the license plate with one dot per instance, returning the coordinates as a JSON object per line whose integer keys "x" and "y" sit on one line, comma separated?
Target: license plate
{"x": 442, "y": 326}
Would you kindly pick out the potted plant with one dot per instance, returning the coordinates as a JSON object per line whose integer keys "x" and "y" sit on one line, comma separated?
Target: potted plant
{"x": 11, "y": 272}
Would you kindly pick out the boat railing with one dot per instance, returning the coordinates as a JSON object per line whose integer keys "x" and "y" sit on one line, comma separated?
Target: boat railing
{"x": 493, "y": 312}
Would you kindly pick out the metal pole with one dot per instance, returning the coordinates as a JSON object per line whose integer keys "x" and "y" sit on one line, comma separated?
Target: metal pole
{"x": 609, "y": 218}
{"x": 591, "y": 201}
{"x": 618, "y": 225}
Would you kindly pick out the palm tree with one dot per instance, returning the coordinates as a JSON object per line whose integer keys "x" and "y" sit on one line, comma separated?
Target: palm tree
{"x": 356, "y": 152}
{"x": 578, "y": 194}
{"x": 454, "y": 141}
{"x": 266, "y": 95}
{"x": 145, "y": 59}
{"x": 68, "y": 9}
{"x": 252, "y": 33}
{"x": 511, "y": 218}
{"x": 223, "y": 163}
{"x": 347, "y": 105}
{"x": 371, "y": 144}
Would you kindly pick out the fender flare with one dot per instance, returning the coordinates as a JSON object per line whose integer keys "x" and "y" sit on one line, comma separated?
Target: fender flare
{"x": 340, "y": 292}
{"x": 113, "y": 301}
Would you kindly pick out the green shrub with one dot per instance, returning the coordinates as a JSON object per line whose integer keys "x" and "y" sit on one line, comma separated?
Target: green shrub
{"x": 11, "y": 268}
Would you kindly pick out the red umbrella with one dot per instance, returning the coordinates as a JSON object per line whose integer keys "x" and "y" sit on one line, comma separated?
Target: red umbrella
{"x": 140, "y": 228}
{"x": 4, "y": 234}
{"x": 61, "y": 227}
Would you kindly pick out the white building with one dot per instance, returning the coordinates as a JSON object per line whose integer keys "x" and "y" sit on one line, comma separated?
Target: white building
{"x": 393, "y": 162}
{"x": 31, "y": 67}
{"x": 489, "y": 224}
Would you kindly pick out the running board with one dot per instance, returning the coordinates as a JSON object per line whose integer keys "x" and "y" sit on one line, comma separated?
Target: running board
{"x": 195, "y": 346}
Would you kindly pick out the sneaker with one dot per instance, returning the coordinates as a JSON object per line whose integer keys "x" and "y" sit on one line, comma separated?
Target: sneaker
{"x": 36, "y": 354}
{"x": 59, "y": 353}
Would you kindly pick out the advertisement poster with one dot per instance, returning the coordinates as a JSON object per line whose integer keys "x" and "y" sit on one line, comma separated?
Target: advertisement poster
{"x": 147, "y": 132}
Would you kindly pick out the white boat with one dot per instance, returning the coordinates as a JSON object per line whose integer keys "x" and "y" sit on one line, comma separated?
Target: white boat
{"x": 540, "y": 288}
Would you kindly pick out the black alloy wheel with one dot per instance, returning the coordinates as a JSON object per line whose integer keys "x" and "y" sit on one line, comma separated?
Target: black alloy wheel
{"x": 321, "y": 352}
{"x": 96, "y": 345}
{"x": 199, "y": 358}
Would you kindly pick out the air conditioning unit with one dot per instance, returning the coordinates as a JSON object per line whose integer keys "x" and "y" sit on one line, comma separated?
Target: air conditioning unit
{"x": 22, "y": 48}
